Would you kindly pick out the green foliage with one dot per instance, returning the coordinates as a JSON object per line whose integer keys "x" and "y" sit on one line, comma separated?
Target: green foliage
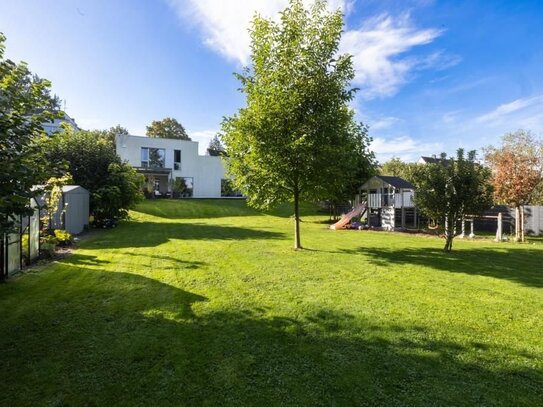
{"x": 448, "y": 193}
{"x": 93, "y": 163}
{"x": 397, "y": 168}
{"x": 53, "y": 193}
{"x": 63, "y": 237}
{"x": 215, "y": 147}
{"x": 25, "y": 103}
{"x": 167, "y": 128}
{"x": 111, "y": 133}
{"x": 296, "y": 138}
{"x": 48, "y": 244}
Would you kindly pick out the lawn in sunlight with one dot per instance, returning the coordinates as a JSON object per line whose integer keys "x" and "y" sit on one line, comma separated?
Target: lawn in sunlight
{"x": 203, "y": 302}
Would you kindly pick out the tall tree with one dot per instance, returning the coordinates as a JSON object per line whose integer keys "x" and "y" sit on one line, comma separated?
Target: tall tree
{"x": 289, "y": 141}
{"x": 448, "y": 193}
{"x": 25, "y": 103}
{"x": 167, "y": 128}
{"x": 215, "y": 147}
{"x": 517, "y": 169}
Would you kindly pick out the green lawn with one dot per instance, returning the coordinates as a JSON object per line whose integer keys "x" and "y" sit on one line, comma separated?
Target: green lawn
{"x": 204, "y": 303}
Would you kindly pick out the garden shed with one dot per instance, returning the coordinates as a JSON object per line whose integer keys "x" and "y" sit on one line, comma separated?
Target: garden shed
{"x": 73, "y": 212}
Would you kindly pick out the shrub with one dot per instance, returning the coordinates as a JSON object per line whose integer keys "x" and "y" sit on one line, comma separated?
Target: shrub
{"x": 64, "y": 238}
{"x": 48, "y": 244}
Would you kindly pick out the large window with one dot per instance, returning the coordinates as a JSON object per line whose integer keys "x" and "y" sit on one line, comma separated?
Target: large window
{"x": 176, "y": 159}
{"x": 227, "y": 189}
{"x": 152, "y": 157}
{"x": 183, "y": 187}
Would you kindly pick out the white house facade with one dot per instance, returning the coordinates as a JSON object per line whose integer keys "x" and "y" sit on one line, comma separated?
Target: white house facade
{"x": 167, "y": 161}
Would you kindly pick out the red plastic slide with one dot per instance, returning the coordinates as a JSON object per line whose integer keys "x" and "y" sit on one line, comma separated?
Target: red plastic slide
{"x": 358, "y": 211}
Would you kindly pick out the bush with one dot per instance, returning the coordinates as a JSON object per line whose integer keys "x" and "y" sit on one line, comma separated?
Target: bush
{"x": 24, "y": 245}
{"x": 64, "y": 238}
{"x": 48, "y": 244}
{"x": 92, "y": 161}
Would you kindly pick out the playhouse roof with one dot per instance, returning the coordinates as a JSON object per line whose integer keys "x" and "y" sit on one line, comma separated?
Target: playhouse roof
{"x": 395, "y": 182}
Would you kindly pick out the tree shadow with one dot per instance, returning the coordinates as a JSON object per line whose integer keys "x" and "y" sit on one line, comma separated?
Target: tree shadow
{"x": 520, "y": 265}
{"x": 104, "y": 337}
{"x": 150, "y": 234}
{"x": 215, "y": 208}
{"x": 196, "y": 208}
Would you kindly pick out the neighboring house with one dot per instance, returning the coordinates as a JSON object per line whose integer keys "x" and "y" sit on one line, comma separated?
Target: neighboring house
{"x": 434, "y": 160}
{"x": 390, "y": 202}
{"x": 52, "y": 127}
{"x": 165, "y": 161}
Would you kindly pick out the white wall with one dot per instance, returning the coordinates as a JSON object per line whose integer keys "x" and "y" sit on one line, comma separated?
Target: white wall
{"x": 206, "y": 171}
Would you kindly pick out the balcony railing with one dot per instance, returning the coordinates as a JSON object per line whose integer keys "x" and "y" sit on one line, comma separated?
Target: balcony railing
{"x": 397, "y": 200}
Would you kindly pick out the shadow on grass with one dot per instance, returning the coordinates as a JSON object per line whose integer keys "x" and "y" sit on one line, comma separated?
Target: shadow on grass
{"x": 149, "y": 234}
{"x": 84, "y": 260}
{"x": 99, "y": 337}
{"x": 196, "y": 208}
{"x": 214, "y": 208}
{"x": 520, "y": 265}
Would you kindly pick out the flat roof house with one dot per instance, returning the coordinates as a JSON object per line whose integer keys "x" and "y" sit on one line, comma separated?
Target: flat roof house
{"x": 166, "y": 161}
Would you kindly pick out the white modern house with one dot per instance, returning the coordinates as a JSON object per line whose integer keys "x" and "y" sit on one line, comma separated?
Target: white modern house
{"x": 166, "y": 161}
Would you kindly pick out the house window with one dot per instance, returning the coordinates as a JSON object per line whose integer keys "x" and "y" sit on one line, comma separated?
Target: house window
{"x": 152, "y": 157}
{"x": 176, "y": 159}
{"x": 183, "y": 187}
{"x": 227, "y": 189}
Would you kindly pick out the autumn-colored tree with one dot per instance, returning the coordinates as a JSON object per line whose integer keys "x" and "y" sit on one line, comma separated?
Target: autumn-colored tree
{"x": 517, "y": 169}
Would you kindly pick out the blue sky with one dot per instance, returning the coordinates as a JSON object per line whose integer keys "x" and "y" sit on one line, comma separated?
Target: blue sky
{"x": 433, "y": 75}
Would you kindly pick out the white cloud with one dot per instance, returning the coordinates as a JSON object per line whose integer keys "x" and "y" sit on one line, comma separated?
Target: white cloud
{"x": 224, "y": 25}
{"x": 377, "y": 46}
{"x": 505, "y": 111}
{"x": 203, "y": 137}
{"x": 383, "y": 123}
{"x": 404, "y": 147}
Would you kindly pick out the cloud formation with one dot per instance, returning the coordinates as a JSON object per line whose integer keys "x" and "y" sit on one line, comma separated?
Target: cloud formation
{"x": 378, "y": 45}
{"x": 404, "y": 147}
{"x": 532, "y": 106}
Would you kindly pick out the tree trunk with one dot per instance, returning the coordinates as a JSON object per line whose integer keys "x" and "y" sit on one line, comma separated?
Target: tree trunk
{"x": 450, "y": 231}
{"x": 522, "y": 223}
{"x": 297, "y": 244}
{"x": 517, "y": 224}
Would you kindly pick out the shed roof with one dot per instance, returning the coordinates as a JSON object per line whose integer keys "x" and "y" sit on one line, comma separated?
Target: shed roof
{"x": 74, "y": 189}
{"x": 396, "y": 182}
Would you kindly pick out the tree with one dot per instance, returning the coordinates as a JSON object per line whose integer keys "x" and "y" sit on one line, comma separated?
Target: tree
{"x": 215, "y": 147}
{"x": 288, "y": 142}
{"x": 167, "y": 128}
{"x": 25, "y": 103}
{"x": 449, "y": 193}
{"x": 356, "y": 166}
{"x": 93, "y": 163}
{"x": 397, "y": 168}
{"x": 517, "y": 170}
{"x": 112, "y": 133}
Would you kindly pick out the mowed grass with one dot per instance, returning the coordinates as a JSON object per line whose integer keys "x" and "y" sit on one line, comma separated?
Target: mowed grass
{"x": 205, "y": 303}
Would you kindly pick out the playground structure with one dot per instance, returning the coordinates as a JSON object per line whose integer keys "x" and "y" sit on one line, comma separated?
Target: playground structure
{"x": 385, "y": 202}
{"x": 357, "y": 212}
